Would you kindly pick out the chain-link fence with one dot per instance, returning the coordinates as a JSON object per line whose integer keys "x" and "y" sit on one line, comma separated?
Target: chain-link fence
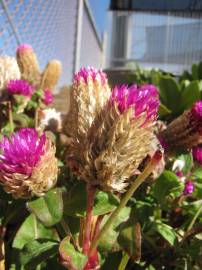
{"x": 56, "y": 29}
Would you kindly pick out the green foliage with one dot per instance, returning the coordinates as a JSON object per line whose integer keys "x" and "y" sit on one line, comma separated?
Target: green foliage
{"x": 32, "y": 229}
{"x": 36, "y": 251}
{"x": 49, "y": 208}
{"x": 109, "y": 241}
{"x": 73, "y": 258}
{"x": 167, "y": 186}
{"x": 75, "y": 202}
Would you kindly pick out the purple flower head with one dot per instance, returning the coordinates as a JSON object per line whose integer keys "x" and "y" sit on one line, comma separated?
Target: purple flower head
{"x": 85, "y": 75}
{"x": 143, "y": 99}
{"x": 188, "y": 188}
{"x": 197, "y": 154}
{"x": 179, "y": 174}
{"x": 197, "y": 110}
{"x": 21, "y": 152}
{"x": 24, "y": 47}
{"x": 48, "y": 97}
{"x": 20, "y": 87}
{"x": 196, "y": 115}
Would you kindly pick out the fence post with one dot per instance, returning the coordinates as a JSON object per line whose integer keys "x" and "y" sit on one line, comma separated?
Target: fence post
{"x": 78, "y": 35}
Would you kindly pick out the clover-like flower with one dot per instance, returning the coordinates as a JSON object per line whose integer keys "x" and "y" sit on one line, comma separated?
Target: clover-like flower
{"x": 28, "y": 165}
{"x": 188, "y": 188}
{"x": 119, "y": 137}
{"x": 20, "y": 87}
{"x": 185, "y": 132}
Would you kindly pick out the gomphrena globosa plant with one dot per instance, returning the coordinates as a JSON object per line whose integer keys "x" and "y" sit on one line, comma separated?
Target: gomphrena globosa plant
{"x": 51, "y": 75}
{"x": 115, "y": 137}
{"x": 28, "y": 64}
{"x": 185, "y": 132}
{"x": 28, "y": 165}
{"x": 9, "y": 70}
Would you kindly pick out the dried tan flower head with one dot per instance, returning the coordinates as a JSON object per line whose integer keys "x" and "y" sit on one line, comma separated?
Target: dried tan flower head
{"x": 184, "y": 132}
{"x": 51, "y": 75}
{"x": 28, "y": 63}
{"x": 9, "y": 70}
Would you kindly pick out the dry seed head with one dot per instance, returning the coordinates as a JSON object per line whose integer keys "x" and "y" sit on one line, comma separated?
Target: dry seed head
{"x": 51, "y": 75}
{"x": 184, "y": 132}
{"x": 28, "y": 63}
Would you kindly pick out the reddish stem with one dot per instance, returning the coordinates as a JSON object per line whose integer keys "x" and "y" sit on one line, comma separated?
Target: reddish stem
{"x": 97, "y": 226}
{"x": 89, "y": 214}
{"x": 93, "y": 262}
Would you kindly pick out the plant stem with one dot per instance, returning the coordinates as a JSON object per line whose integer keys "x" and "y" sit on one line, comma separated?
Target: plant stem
{"x": 36, "y": 118}
{"x": 194, "y": 219}
{"x": 89, "y": 214}
{"x": 97, "y": 226}
{"x": 138, "y": 181}
{"x": 124, "y": 262}
{"x": 10, "y": 115}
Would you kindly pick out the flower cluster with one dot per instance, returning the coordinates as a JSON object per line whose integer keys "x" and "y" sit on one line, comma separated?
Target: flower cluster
{"x": 27, "y": 163}
{"x": 113, "y": 131}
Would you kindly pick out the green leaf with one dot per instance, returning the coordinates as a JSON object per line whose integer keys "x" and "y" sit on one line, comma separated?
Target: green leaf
{"x": 71, "y": 257}
{"x": 105, "y": 202}
{"x": 170, "y": 93}
{"x": 194, "y": 70}
{"x": 36, "y": 251}
{"x": 200, "y": 71}
{"x": 75, "y": 202}
{"x": 49, "y": 208}
{"x": 130, "y": 239}
{"x": 167, "y": 184}
{"x": 163, "y": 110}
{"x": 166, "y": 232}
{"x": 32, "y": 229}
{"x": 197, "y": 172}
{"x": 190, "y": 95}
{"x": 109, "y": 241}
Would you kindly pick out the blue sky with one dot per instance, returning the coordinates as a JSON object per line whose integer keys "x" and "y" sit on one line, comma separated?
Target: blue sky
{"x": 99, "y": 9}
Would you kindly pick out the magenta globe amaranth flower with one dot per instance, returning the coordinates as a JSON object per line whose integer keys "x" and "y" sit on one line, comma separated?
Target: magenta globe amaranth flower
{"x": 48, "y": 97}
{"x": 188, "y": 188}
{"x": 197, "y": 154}
{"x": 20, "y": 87}
{"x": 90, "y": 75}
{"x": 28, "y": 165}
{"x": 142, "y": 100}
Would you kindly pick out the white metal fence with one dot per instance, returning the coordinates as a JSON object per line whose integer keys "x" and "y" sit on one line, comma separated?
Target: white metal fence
{"x": 168, "y": 40}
